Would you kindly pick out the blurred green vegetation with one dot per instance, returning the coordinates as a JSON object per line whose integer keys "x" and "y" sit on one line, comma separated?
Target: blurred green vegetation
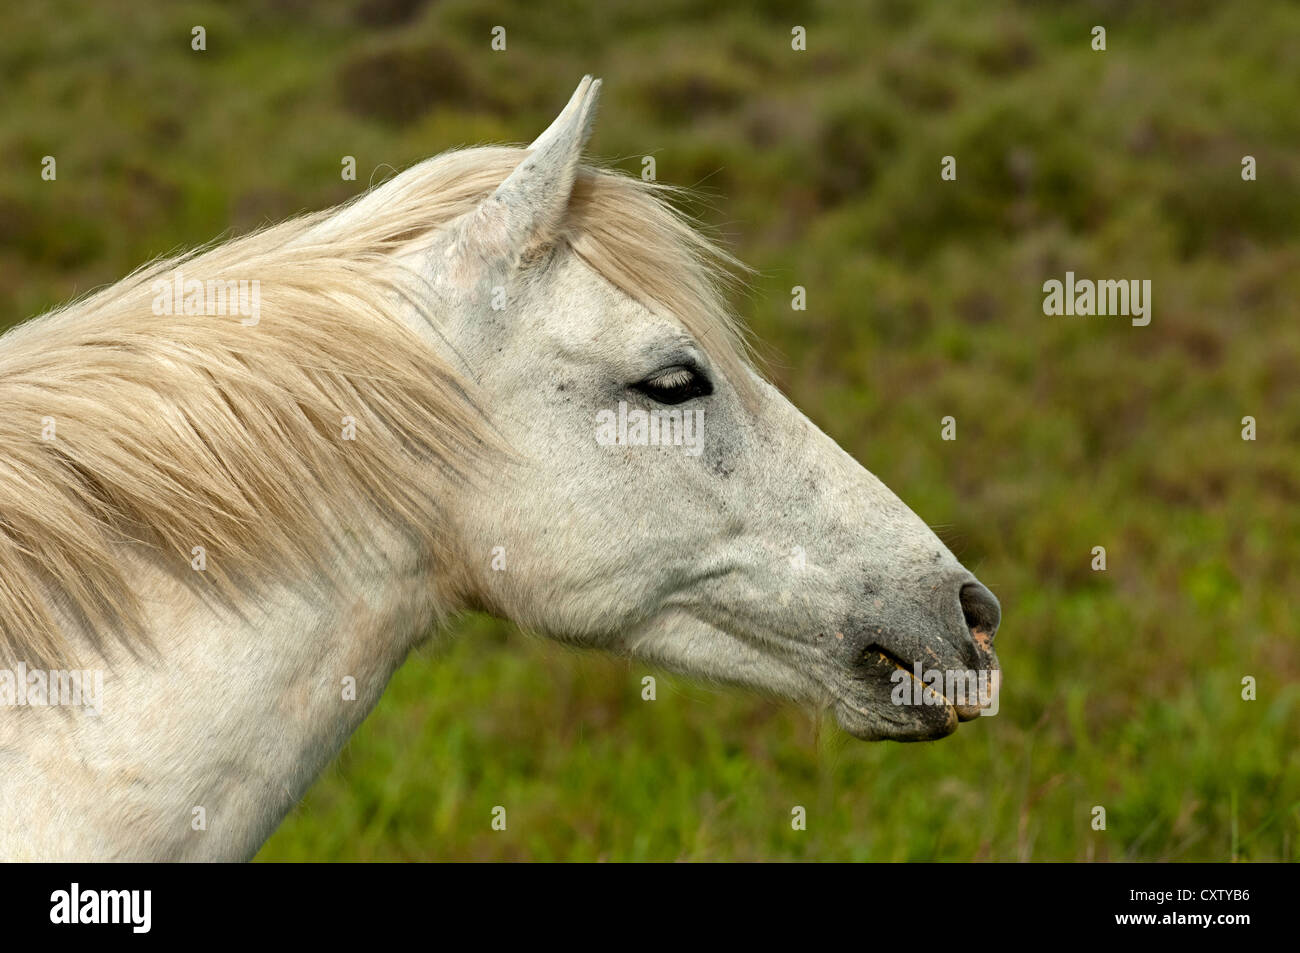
{"x": 822, "y": 169}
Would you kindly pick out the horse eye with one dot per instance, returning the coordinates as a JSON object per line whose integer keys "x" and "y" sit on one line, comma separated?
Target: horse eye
{"x": 675, "y": 385}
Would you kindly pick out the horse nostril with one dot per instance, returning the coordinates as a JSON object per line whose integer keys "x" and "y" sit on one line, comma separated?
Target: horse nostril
{"x": 982, "y": 612}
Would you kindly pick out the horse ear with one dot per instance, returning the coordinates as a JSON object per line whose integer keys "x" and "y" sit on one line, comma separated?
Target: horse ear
{"x": 527, "y": 208}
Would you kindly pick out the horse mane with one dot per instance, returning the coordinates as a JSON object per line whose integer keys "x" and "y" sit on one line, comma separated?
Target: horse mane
{"x": 127, "y": 431}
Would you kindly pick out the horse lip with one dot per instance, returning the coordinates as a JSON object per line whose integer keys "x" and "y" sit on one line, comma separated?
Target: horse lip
{"x": 885, "y": 654}
{"x": 963, "y": 712}
{"x": 899, "y": 665}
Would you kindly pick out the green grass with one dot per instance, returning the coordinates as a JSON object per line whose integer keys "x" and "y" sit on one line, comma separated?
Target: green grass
{"x": 1123, "y": 688}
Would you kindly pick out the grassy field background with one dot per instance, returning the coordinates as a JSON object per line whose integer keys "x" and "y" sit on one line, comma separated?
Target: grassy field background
{"x": 1123, "y": 688}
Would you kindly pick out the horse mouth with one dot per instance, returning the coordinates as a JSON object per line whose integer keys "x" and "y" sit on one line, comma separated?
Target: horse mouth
{"x": 885, "y": 704}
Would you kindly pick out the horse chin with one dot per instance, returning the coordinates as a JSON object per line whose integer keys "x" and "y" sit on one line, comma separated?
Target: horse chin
{"x": 891, "y": 722}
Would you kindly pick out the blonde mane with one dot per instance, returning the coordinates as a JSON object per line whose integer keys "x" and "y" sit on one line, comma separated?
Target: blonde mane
{"x": 128, "y": 431}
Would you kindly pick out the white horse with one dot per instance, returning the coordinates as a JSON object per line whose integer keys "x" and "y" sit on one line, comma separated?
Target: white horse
{"x": 238, "y": 487}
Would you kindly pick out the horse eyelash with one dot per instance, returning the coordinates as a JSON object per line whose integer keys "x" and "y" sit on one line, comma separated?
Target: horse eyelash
{"x": 678, "y": 377}
{"x": 676, "y": 386}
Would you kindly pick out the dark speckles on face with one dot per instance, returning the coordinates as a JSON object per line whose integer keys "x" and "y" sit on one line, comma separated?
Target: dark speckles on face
{"x": 565, "y": 390}
{"x": 721, "y": 467}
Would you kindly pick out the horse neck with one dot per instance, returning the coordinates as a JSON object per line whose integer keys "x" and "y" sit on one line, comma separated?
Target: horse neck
{"x": 201, "y": 749}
